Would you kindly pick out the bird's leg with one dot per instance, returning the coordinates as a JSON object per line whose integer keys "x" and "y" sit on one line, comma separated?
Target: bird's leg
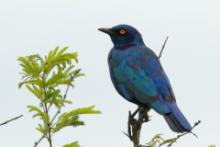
{"x": 145, "y": 117}
{"x": 135, "y": 112}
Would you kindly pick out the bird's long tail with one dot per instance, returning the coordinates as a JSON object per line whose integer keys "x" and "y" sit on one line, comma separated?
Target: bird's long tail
{"x": 176, "y": 120}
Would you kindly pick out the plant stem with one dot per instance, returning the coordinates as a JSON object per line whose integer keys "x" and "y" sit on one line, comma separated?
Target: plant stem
{"x": 63, "y": 100}
{"x": 49, "y": 125}
{"x": 49, "y": 138}
{"x": 47, "y": 108}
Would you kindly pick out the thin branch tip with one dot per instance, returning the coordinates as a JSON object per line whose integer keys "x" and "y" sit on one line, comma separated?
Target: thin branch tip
{"x": 195, "y": 124}
{"x": 10, "y": 120}
{"x": 185, "y": 133}
{"x": 163, "y": 46}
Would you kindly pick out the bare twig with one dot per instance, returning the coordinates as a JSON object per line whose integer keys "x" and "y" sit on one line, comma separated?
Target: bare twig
{"x": 10, "y": 120}
{"x": 161, "y": 51}
{"x": 185, "y": 133}
{"x": 38, "y": 141}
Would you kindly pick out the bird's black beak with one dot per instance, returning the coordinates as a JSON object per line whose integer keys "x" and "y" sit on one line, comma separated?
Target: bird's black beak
{"x": 106, "y": 30}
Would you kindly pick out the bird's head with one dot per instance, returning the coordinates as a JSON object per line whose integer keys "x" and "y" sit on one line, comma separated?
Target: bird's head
{"x": 123, "y": 35}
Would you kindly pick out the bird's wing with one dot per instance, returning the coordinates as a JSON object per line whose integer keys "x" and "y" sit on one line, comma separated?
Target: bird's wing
{"x": 151, "y": 85}
{"x": 147, "y": 80}
{"x": 120, "y": 87}
{"x": 138, "y": 82}
{"x": 152, "y": 67}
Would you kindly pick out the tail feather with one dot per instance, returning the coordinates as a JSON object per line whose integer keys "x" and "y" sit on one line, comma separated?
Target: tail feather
{"x": 176, "y": 120}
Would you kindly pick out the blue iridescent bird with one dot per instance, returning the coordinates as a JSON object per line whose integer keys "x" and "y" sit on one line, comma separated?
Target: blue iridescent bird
{"x": 138, "y": 76}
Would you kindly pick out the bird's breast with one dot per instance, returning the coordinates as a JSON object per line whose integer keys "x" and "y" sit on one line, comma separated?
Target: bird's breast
{"x": 119, "y": 62}
{"x": 119, "y": 72}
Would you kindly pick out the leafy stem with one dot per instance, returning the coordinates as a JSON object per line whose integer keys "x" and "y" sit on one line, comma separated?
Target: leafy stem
{"x": 43, "y": 77}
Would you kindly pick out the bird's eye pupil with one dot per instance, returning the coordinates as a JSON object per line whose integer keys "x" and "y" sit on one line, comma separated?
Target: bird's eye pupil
{"x": 122, "y": 32}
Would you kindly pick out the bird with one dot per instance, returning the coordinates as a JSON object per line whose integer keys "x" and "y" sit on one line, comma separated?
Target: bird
{"x": 139, "y": 77}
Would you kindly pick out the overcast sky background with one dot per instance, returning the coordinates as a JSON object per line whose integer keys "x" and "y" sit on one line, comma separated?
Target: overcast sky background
{"x": 191, "y": 60}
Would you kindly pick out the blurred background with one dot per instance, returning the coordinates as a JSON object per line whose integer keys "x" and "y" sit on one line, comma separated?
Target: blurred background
{"x": 191, "y": 59}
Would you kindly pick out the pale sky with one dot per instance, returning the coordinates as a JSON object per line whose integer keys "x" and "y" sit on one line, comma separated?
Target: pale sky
{"x": 191, "y": 60}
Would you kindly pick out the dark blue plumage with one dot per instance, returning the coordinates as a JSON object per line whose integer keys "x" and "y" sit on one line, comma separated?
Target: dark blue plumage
{"x": 138, "y": 76}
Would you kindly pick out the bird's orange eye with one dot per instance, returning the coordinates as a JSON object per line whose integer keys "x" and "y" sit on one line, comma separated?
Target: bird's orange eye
{"x": 122, "y": 32}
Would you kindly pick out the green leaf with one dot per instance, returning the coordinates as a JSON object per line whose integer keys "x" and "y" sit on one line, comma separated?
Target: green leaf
{"x": 37, "y": 82}
{"x": 35, "y": 69}
{"x": 59, "y": 58}
{"x": 168, "y": 141}
{"x": 155, "y": 141}
{"x": 73, "y": 144}
{"x": 211, "y": 145}
{"x": 54, "y": 97}
{"x": 59, "y": 78}
{"x": 72, "y": 118}
{"x": 31, "y": 65}
{"x": 41, "y": 129}
{"x": 38, "y": 113}
{"x": 85, "y": 110}
{"x": 36, "y": 91}
{"x": 68, "y": 121}
{"x": 25, "y": 64}
{"x": 43, "y": 76}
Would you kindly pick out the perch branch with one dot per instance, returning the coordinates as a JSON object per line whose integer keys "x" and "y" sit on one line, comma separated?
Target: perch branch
{"x": 10, "y": 120}
{"x": 135, "y": 124}
{"x": 130, "y": 118}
